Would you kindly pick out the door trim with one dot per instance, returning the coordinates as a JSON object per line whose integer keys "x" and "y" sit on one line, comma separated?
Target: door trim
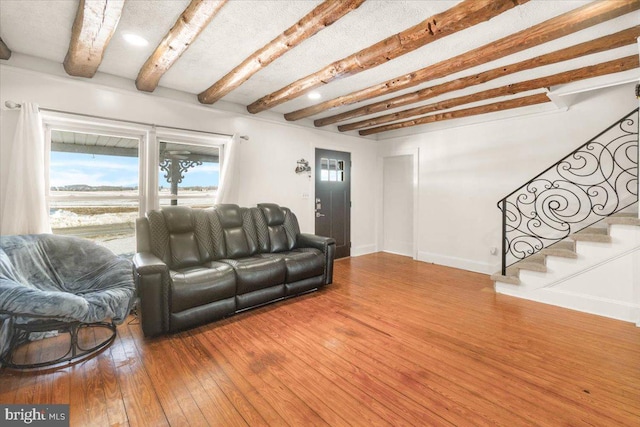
{"x": 350, "y": 192}
{"x": 415, "y": 155}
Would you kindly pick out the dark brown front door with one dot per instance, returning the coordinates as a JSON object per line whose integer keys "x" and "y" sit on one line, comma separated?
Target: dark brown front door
{"x": 333, "y": 198}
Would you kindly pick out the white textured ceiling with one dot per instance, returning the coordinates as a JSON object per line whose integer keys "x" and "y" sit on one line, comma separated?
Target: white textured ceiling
{"x": 42, "y": 28}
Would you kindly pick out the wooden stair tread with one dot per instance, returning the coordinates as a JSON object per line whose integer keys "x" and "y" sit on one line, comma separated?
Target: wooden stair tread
{"x": 512, "y": 280}
{"x": 563, "y": 244}
{"x": 592, "y": 234}
{"x": 593, "y": 230}
{"x": 531, "y": 266}
{"x": 624, "y": 218}
{"x": 535, "y": 262}
{"x": 587, "y": 237}
{"x": 559, "y": 252}
{"x": 625, "y": 214}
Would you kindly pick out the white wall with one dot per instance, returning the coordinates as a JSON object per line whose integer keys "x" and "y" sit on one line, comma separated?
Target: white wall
{"x": 267, "y": 160}
{"x": 465, "y": 170}
{"x": 277, "y": 182}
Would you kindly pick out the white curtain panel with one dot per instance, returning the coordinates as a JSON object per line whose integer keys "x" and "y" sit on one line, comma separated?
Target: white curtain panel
{"x": 228, "y": 172}
{"x": 24, "y": 208}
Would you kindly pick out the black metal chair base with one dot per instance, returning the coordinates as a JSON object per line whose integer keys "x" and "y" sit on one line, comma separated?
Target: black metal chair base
{"x": 22, "y": 331}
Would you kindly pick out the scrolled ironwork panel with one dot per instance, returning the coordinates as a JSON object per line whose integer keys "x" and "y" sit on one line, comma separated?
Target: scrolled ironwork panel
{"x": 595, "y": 181}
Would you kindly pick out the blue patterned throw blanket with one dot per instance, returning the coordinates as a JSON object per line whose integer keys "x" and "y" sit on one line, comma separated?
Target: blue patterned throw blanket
{"x": 62, "y": 277}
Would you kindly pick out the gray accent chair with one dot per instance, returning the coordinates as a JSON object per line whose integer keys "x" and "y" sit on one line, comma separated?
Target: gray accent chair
{"x": 194, "y": 266}
{"x": 59, "y": 284}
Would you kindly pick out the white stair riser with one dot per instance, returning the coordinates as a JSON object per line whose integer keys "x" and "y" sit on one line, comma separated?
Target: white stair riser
{"x": 599, "y": 281}
{"x": 625, "y": 233}
{"x": 533, "y": 279}
{"x": 624, "y": 238}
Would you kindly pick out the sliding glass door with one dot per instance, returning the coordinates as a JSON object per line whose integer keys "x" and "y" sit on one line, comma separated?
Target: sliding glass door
{"x": 94, "y": 187}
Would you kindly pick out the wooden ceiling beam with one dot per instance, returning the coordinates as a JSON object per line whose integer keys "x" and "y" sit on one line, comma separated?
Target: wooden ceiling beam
{"x": 189, "y": 25}
{"x": 5, "y": 52}
{"x": 461, "y": 16}
{"x": 525, "y": 101}
{"x": 318, "y": 19}
{"x": 623, "y": 38}
{"x": 93, "y": 27}
{"x": 609, "y": 67}
{"x": 554, "y": 28}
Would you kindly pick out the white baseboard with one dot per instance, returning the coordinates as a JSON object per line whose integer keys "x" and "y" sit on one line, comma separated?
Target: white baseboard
{"x": 615, "y": 309}
{"x": 620, "y": 310}
{"x": 398, "y": 247}
{"x": 449, "y": 261}
{"x": 363, "y": 250}
{"x": 398, "y": 253}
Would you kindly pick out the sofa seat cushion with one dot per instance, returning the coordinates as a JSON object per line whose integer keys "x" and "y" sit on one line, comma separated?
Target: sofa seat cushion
{"x": 304, "y": 285}
{"x": 258, "y": 272}
{"x": 301, "y": 263}
{"x": 259, "y": 297}
{"x": 203, "y": 314}
{"x": 195, "y": 286}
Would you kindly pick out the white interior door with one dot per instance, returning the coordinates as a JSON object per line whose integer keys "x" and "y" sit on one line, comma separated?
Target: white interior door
{"x": 398, "y": 194}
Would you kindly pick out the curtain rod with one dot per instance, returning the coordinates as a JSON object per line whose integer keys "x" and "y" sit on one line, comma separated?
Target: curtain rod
{"x": 11, "y": 105}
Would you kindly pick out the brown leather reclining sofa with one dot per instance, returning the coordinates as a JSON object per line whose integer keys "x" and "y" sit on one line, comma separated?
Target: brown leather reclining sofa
{"x": 194, "y": 266}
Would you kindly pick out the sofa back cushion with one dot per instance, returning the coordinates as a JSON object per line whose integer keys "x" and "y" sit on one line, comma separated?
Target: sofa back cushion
{"x": 212, "y": 235}
{"x": 238, "y": 230}
{"x": 281, "y": 228}
{"x": 173, "y": 236}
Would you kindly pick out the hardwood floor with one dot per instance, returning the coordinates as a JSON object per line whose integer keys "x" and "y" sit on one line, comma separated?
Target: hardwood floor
{"x": 391, "y": 342}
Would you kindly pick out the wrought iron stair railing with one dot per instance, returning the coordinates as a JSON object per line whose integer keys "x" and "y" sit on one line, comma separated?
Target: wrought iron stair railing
{"x": 593, "y": 182}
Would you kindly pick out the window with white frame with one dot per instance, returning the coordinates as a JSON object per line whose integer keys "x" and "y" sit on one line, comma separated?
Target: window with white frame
{"x": 331, "y": 170}
{"x": 104, "y": 174}
{"x": 188, "y": 173}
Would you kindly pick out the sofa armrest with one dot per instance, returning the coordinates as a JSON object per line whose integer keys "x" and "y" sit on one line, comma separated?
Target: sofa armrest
{"x": 327, "y": 245}
{"x": 305, "y": 240}
{"x": 153, "y": 282}
{"x": 148, "y": 263}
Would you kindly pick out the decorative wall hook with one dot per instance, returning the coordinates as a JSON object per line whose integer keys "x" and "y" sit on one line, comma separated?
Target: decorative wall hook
{"x": 303, "y": 166}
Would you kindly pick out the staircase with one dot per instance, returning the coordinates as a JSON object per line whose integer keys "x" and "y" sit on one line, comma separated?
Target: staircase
{"x": 571, "y": 235}
{"x": 567, "y": 248}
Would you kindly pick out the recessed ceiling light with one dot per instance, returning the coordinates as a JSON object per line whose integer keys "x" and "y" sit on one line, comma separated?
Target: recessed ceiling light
{"x": 134, "y": 39}
{"x": 314, "y": 95}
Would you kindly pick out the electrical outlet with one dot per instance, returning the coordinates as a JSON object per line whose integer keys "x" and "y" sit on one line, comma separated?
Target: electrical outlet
{"x": 305, "y": 195}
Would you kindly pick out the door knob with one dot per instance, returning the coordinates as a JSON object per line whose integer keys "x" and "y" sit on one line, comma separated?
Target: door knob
{"x": 318, "y": 215}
